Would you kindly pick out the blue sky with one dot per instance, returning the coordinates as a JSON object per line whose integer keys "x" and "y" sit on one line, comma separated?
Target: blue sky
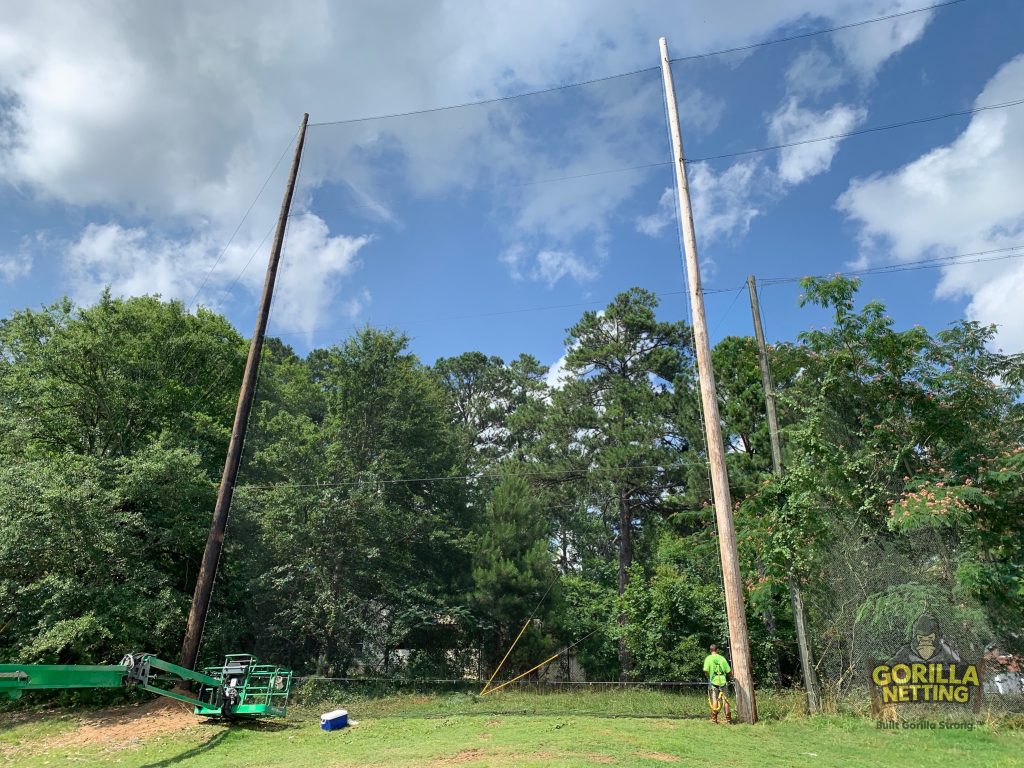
{"x": 135, "y": 137}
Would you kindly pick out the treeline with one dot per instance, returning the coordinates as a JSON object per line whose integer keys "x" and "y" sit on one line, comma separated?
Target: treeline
{"x": 397, "y": 518}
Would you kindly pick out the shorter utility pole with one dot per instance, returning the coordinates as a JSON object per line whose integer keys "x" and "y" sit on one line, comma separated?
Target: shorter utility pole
{"x": 215, "y": 541}
{"x": 746, "y": 704}
{"x": 795, "y": 596}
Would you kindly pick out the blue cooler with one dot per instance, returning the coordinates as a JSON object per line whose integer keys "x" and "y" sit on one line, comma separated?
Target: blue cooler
{"x": 332, "y": 721}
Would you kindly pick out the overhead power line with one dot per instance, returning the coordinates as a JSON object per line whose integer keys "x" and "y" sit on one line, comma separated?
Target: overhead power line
{"x": 859, "y": 132}
{"x": 801, "y": 142}
{"x": 552, "y": 474}
{"x": 995, "y": 254}
{"x": 482, "y": 102}
{"x": 231, "y": 239}
{"x": 642, "y": 167}
{"x": 949, "y": 261}
{"x": 691, "y": 57}
{"x": 468, "y": 316}
{"x": 817, "y": 32}
{"x": 727, "y": 312}
{"x": 786, "y": 145}
{"x": 976, "y": 257}
{"x": 185, "y": 353}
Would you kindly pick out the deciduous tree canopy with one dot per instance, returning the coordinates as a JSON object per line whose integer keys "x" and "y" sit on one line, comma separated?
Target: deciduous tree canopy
{"x": 399, "y": 518}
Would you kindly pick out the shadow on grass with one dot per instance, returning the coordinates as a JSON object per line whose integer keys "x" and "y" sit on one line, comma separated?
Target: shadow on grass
{"x": 206, "y": 746}
{"x": 259, "y": 726}
{"x": 531, "y": 713}
{"x": 12, "y": 718}
{"x": 268, "y": 726}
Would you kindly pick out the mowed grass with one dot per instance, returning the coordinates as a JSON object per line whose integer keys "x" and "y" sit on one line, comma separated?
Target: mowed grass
{"x": 516, "y": 729}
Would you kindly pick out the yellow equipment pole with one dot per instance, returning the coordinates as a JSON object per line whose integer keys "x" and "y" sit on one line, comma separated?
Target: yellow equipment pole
{"x": 507, "y": 654}
{"x": 519, "y": 677}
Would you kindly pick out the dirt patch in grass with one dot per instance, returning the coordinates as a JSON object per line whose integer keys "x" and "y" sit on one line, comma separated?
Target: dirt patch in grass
{"x": 662, "y": 756}
{"x": 465, "y": 756}
{"x": 119, "y": 728}
{"x": 592, "y": 758}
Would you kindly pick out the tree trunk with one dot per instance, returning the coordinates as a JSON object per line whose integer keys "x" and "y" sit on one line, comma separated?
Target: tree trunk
{"x": 804, "y": 642}
{"x": 625, "y": 560}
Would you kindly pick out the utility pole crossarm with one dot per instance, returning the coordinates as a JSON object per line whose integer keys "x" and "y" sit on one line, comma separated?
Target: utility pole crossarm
{"x": 733, "y": 582}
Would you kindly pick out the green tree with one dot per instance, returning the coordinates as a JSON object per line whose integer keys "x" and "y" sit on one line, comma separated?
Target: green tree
{"x": 365, "y": 540}
{"x": 876, "y": 414}
{"x": 613, "y": 421}
{"x": 490, "y": 399}
{"x": 109, "y": 379}
{"x": 113, "y": 425}
{"x": 674, "y": 615}
{"x": 513, "y": 570}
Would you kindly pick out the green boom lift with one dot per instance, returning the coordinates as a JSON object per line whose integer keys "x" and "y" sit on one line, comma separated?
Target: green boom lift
{"x": 240, "y": 687}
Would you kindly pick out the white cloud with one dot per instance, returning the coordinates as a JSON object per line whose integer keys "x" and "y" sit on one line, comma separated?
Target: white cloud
{"x": 557, "y": 374}
{"x": 19, "y": 263}
{"x": 514, "y": 258}
{"x": 726, "y": 202}
{"x": 552, "y": 266}
{"x": 813, "y": 73}
{"x": 858, "y": 55}
{"x": 791, "y": 123}
{"x": 723, "y": 202}
{"x": 132, "y": 261}
{"x": 962, "y": 197}
{"x": 355, "y": 306}
{"x": 665, "y": 214}
{"x": 546, "y": 265}
{"x": 700, "y": 112}
{"x": 310, "y": 275}
{"x": 176, "y": 108}
{"x": 15, "y": 265}
{"x": 167, "y": 115}
{"x": 868, "y": 47}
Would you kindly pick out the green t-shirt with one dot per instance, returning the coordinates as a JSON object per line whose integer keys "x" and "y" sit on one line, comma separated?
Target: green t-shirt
{"x": 716, "y": 667}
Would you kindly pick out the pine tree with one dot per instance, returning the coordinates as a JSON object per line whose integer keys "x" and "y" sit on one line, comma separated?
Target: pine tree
{"x": 513, "y": 567}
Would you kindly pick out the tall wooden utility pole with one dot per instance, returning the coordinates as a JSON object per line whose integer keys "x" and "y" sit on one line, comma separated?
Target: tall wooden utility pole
{"x": 796, "y": 597}
{"x": 215, "y": 541}
{"x": 766, "y": 378}
{"x": 746, "y": 703}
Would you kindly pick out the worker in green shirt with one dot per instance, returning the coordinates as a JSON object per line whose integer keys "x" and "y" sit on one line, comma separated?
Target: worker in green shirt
{"x": 717, "y": 668}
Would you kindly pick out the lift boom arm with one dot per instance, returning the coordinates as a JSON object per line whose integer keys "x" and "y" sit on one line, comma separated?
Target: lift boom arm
{"x": 239, "y": 686}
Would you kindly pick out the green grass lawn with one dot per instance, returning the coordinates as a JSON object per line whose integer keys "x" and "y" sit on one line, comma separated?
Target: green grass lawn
{"x": 517, "y": 729}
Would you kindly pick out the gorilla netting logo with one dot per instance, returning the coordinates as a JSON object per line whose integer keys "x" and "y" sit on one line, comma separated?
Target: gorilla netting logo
{"x": 926, "y": 670}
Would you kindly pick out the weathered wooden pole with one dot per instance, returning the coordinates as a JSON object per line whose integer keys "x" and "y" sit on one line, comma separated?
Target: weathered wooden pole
{"x": 796, "y": 597}
{"x": 746, "y": 704}
{"x": 215, "y": 541}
